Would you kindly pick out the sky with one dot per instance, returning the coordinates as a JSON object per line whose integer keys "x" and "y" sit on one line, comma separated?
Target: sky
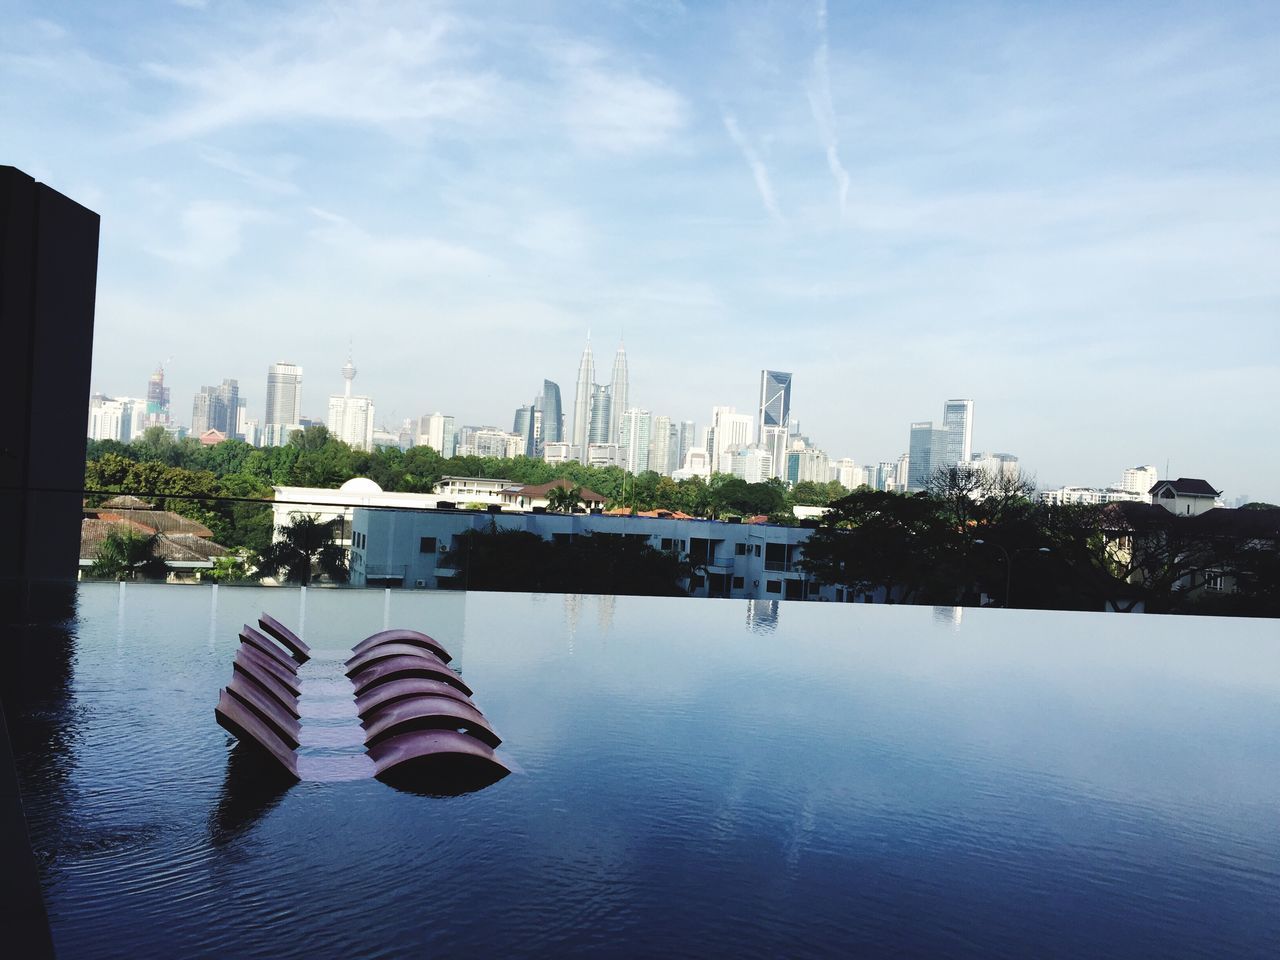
{"x": 1068, "y": 212}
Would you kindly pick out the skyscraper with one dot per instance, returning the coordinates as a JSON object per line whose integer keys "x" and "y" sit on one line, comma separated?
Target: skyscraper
{"x": 634, "y": 436}
{"x": 957, "y": 420}
{"x": 729, "y": 429}
{"x": 601, "y": 415}
{"x": 552, "y": 413}
{"x": 618, "y": 395}
{"x": 157, "y": 400}
{"x": 351, "y": 418}
{"x": 582, "y": 398}
{"x": 435, "y": 430}
{"x": 686, "y": 441}
{"x": 928, "y": 451}
{"x": 775, "y": 412}
{"x": 284, "y": 402}
{"x": 216, "y": 408}
{"x": 523, "y": 425}
{"x": 663, "y": 442}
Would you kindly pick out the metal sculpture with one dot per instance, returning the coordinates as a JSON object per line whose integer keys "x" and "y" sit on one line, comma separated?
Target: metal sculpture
{"x": 247, "y": 727}
{"x": 427, "y": 757}
{"x": 252, "y": 638}
{"x": 385, "y": 652}
{"x": 428, "y": 713}
{"x": 398, "y": 668}
{"x": 394, "y": 690}
{"x": 300, "y": 651}
{"x": 401, "y": 635}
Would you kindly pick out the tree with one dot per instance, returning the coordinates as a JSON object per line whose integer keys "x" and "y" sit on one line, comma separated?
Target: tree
{"x": 564, "y": 499}
{"x": 305, "y": 542}
{"x": 129, "y": 556}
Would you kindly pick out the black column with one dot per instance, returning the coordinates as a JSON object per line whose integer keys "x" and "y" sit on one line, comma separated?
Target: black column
{"x": 48, "y": 276}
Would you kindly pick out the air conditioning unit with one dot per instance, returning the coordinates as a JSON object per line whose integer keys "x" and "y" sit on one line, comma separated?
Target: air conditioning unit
{"x": 419, "y": 583}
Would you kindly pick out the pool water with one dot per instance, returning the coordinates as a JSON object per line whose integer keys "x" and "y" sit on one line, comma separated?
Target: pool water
{"x": 692, "y": 778}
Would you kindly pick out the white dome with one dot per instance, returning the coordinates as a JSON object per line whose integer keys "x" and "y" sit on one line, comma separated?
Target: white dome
{"x": 360, "y": 485}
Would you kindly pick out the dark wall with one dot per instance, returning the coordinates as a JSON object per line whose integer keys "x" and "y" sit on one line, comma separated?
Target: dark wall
{"x": 48, "y": 276}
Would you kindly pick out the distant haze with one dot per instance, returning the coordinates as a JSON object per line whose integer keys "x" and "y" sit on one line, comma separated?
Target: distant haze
{"x": 1067, "y": 212}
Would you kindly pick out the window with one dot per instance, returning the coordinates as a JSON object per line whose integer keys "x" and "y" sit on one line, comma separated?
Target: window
{"x": 667, "y": 543}
{"x": 696, "y": 582}
{"x": 740, "y": 549}
{"x": 757, "y": 549}
{"x": 773, "y": 586}
{"x": 427, "y": 545}
{"x": 739, "y": 583}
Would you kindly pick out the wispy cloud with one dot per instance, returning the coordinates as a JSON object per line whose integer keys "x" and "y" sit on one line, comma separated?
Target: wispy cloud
{"x": 616, "y": 110}
{"x": 758, "y": 170}
{"x": 341, "y": 64}
{"x": 405, "y": 255}
{"x": 211, "y": 234}
{"x": 824, "y": 114}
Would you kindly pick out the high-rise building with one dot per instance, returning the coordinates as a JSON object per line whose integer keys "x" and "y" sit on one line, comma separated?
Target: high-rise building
{"x": 663, "y": 443}
{"x": 729, "y": 429}
{"x": 805, "y": 463}
{"x": 929, "y": 450}
{"x": 635, "y": 435}
{"x": 688, "y": 439}
{"x": 350, "y": 417}
{"x": 119, "y": 418}
{"x": 775, "y": 413}
{"x": 600, "y": 415}
{"x": 618, "y": 395}
{"x": 157, "y": 409}
{"x": 753, "y": 463}
{"x": 523, "y": 425}
{"x": 435, "y": 430}
{"x": 582, "y": 398}
{"x": 216, "y": 408}
{"x": 957, "y": 420}
{"x": 284, "y": 403}
{"x": 1139, "y": 479}
{"x": 552, "y": 413}
{"x": 848, "y": 474}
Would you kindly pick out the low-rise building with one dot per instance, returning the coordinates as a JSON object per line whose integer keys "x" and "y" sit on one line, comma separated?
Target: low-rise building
{"x": 1185, "y": 497}
{"x": 411, "y": 548}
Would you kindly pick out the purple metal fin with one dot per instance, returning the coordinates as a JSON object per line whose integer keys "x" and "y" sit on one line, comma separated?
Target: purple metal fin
{"x": 428, "y": 713}
{"x": 301, "y": 652}
{"x": 278, "y": 692}
{"x": 386, "y": 693}
{"x": 398, "y": 668}
{"x": 253, "y": 638}
{"x": 402, "y": 635}
{"x": 267, "y": 709}
{"x": 426, "y": 758}
{"x": 286, "y": 676}
{"x": 245, "y": 726}
{"x": 386, "y": 651}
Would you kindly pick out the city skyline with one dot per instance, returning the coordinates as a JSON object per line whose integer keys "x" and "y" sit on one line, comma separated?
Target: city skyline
{"x": 897, "y": 205}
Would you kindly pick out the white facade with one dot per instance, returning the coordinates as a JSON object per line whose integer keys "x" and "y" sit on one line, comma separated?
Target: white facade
{"x": 999, "y": 465}
{"x": 1140, "y": 479}
{"x": 753, "y": 463}
{"x": 1089, "y": 496}
{"x": 697, "y": 463}
{"x": 284, "y": 400}
{"x": 847, "y": 473}
{"x": 350, "y": 417}
{"x": 634, "y": 439}
{"x": 435, "y": 430}
{"x": 806, "y": 464}
{"x": 663, "y": 443}
{"x": 603, "y": 455}
{"x": 119, "y": 418}
{"x": 729, "y": 430}
{"x": 557, "y": 452}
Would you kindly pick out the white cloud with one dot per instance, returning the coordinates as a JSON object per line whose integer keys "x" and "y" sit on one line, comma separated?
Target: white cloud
{"x": 211, "y": 234}
{"x": 758, "y": 170}
{"x": 404, "y": 255}
{"x": 615, "y": 110}
{"x": 348, "y": 64}
{"x": 824, "y": 114}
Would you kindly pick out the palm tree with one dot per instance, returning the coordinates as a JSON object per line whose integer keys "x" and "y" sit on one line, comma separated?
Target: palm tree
{"x": 128, "y": 556}
{"x": 564, "y": 499}
{"x": 305, "y": 542}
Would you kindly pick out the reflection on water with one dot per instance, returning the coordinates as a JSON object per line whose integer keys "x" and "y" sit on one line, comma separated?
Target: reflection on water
{"x": 762, "y": 616}
{"x": 848, "y": 780}
{"x": 251, "y": 787}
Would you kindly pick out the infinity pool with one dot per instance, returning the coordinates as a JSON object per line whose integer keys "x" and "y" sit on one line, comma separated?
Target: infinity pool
{"x": 692, "y": 778}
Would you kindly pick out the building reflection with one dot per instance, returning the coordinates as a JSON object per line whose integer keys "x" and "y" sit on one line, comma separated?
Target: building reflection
{"x": 762, "y": 616}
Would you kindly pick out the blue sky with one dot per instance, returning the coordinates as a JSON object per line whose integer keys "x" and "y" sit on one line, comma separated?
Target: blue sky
{"x": 1068, "y": 212}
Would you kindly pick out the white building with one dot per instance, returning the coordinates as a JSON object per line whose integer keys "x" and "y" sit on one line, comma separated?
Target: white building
{"x": 664, "y": 441}
{"x": 999, "y": 465}
{"x": 805, "y": 464}
{"x": 119, "y": 418}
{"x": 697, "y": 463}
{"x": 1089, "y": 496}
{"x": 411, "y": 548}
{"x": 557, "y": 452}
{"x": 848, "y": 474}
{"x": 350, "y": 417}
{"x": 753, "y": 463}
{"x": 1139, "y": 479}
{"x": 635, "y": 438}
{"x": 284, "y": 403}
{"x": 603, "y": 455}
{"x": 437, "y": 431}
{"x": 1185, "y": 497}
{"x": 728, "y": 431}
